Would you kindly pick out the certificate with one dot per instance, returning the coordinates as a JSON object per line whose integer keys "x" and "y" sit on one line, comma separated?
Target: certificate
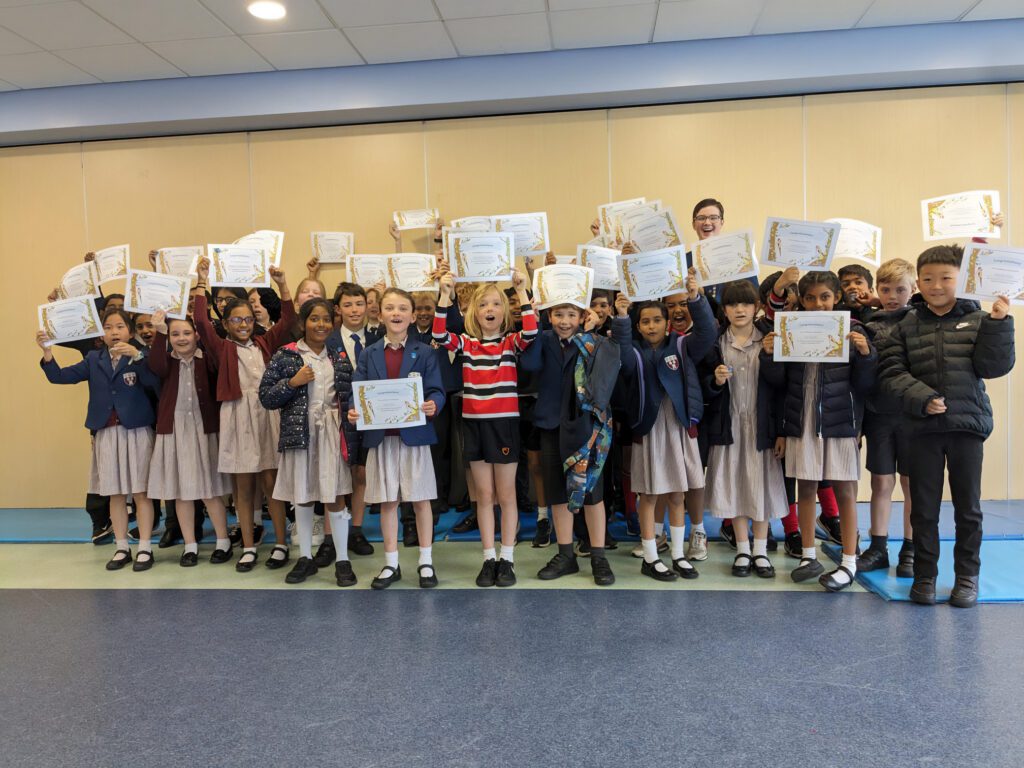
{"x": 604, "y": 262}
{"x": 859, "y": 241}
{"x": 112, "y": 263}
{"x": 607, "y": 215}
{"x": 812, "y": 337}
{"x": 809, "y": 245}
{"x": 332, "y": 247}
{"x": 724, "y": 258}
{"x": 654, "y": 232}
{"x": 80, "y": 280}
{"x": 653, "y": 274}
{"x": 411, "y": 272}
{"x": 570, "y": 258}
{"x": 482, "y": 257}
{"x": 473, "y": 224}
{"x": 236, "y": 266}
{"x": 624, "y": 219}
{"x": 988, "y": 272}
{"x": 269, "y": 240}
{"x": 966, "y": 214}
{"x": 389, "y": 403}
{"x": 530, "y": 229}
{"x": 562, "y": 284}
{"x": 148, "y": 292}
{"x": 367, "y": 269}
{"x": 421, "y": 218}
{"x": 70, "y": 319}
{"x": 181, "y": 261}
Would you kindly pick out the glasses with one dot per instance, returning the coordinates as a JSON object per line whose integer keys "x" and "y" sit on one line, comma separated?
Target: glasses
{"x": 714, "y": 219}
{"x": 242, "y": 320}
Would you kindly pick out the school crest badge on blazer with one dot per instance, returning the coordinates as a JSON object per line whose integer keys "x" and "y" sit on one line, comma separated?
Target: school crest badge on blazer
{"x": 129, "y": 378}
{"x": 672, "y": 361}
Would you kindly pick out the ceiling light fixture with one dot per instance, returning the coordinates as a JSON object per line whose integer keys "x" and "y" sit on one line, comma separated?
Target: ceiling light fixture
{"x": 267, "y": 10}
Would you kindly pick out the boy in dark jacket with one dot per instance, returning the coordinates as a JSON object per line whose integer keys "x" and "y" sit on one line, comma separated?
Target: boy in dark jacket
{"x": 935, "y": 362}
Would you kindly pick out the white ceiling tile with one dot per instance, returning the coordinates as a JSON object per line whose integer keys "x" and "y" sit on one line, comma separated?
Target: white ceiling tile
{"x": 117, "y": 63}
{"x": 706, "y": 19}
{"x": 12, "y": 43}
{"x": 572, "y": 5}
{"x": 41, "y": 70}
{"x": 996, "y": 9}
{"x": 306, "y": 50}
{"x": 780, "y": 16}
{"x": 211, "y": 56}
{"x": 302, "y": 15}
{"x": 402, "y": 42}
{"x": 592, "y": 27}
{"x": 152, "y": 20}
{"x": 61, "y": 25}
{"x": 465, "y": 9}
{"x": 501, "y": 34}
{"x": 888, "y": 13}
{"x": 366, "y": 13}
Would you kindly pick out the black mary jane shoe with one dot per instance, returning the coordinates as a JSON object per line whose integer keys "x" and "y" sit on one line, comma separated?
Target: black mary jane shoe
{"x": 387, "y": 577}
{"x": 430, "y": 581}
{"x": 273, "y": 563}
{"x": 117, "y": 563}
{"x": 741, "y": 565}
{"x": 651, "y": 569}
{"x": 685, "y": 571}
{"x": 344, "y": 576}
{"x": 188, "y": 559}
{"x": 246, "y": 562}
{"x": 219, "y": 556}
{"x": 809, "y": 568}
{"x": 764, "y": 571}
{"x": 832, "y": 584}
{"x": 141, "y": 564}
{"x": 304, "y": 568}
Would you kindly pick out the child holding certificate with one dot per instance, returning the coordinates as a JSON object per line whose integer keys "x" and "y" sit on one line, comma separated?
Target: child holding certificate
{"x": 490, "y": 411}
{"x": 935, "y": 363}
{"x": 744, "y": 478}
{"x": 398, "y": 462}
{"x": 821, "y": 419}
{"x": 184, "y": 465}
{"x": 248, "y": 432}
{"x": 665, "y": 406}
{"x": 121, "y": 415}
{"x": 311, "y": 385}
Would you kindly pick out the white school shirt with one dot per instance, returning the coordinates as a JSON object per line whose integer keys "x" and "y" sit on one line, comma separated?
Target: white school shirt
{"x": 350, "y": 345}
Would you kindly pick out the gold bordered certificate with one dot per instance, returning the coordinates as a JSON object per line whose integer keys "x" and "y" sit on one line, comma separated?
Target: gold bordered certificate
{"x": 809, "y": 245}
{"x": 562, "y": 284}
{"x": 148, "y": 292}
{"x": 530, "y": 229}
{"x": 367, "y": 269}
{"x": 965, "y": 214}
{"x": 608, "y": 217}
{"x": 473, "y": 224}
{"x": 420, "y": 218}
{"x": 181, "y": 261}
{"x": 113, "y": 263}
{"x": 70, "y": 319}
{"x": 812, "y": 337}
{"x": 238, "y": 266}
{"x": 81, "y": 280}
{"x": 332, "y": 247}
{"x": 481, "y": 257}
{"x": 653, "y": 232}
{"x": 724, "y": 258}
{"x": 653, "y": 274}
{"x": 988, "y": 272}
{"x": 389, "y": 403}
{"x": 269, "y": 240}
{"x": 604, "y": 262}
{"x": 859, "y": 241}
{"x": 411, "y": 272}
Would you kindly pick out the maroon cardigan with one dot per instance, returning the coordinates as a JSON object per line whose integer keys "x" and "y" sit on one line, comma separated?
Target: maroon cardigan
{"x": 224, "y": 352}
{"x": 167, "y": 367}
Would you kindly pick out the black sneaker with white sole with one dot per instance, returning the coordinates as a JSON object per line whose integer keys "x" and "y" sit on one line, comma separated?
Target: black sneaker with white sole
{"x": 542, "y": 538}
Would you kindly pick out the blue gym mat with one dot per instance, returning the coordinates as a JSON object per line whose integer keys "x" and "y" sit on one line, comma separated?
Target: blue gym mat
{"x": 1001, "y": 578}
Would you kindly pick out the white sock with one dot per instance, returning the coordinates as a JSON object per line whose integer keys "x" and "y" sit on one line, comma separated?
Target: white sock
{"x": 122, "y": 544}
{"x": 193, "y": 548}
{"x": 760, "y": 547}
{"x": 391, "y": 559}
{"x": 743, "y": 547}
{"x": 659, "y": 528}
{"x": 146, "y": 546}
{"x": 850, "y": 564}
{"x": 678, "y": 536}
{"x": 543, "y": 512}
{"x": 339, "y": 529}
{"x": 277, "y": 554}
{"x": 249, "y": 549}
{"x": 426, "y": 558}
{"x": 223, "y": 544}
{"x": 809, "y": 553}
{"x": 304, "y": 529}
{"x": 507, "y": 553}
{"x": 698, "y": 527}
{"x": 489, "y": 554}
{"x": 650, "y": 550}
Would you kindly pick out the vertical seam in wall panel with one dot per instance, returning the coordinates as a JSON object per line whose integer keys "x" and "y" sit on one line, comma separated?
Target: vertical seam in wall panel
{"x": 803, "y": 146}
{"x": 252, "y": 186}
{"x": 608, "y": 135}
{"x": 85, "y": 196}
{"x": 1008, "y": 234}
{"x": 426, "y": 166}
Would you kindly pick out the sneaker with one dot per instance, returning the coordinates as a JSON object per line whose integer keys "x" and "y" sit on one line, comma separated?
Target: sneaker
{"x": 729, "y": 535}
{"x": 343, "y": 575}
{"x": 808, "y": 569}
{"x": 922, "y": 591}
{"x": 830, "y": 526}
{"x": 602, "y": 571}
{"x": 632, "y": 524}
{"x": 873, "y": 560}
{"x": 965, "y": 592}
{"x": 610, "y": 542}
{"x": 257, "y": 535}
{"x": 466, "y": 524}
{"x": 697, "y": 549}
{"x": 358, "y": 544}
{"x": 325, "y": 553}
{"x": 905, "y": 566}
{"x": 318, "y": 530}
{"x": 794, "y": 545}
{"x": 661, "y": 541}
{"x": 103, "y": 535}
{"x": 558, "y": 566}
{"x": 542, "y": 538}
{"x": 303, "y": 569}
{"x": 506, "y": 576}
{"x": 235, "y": 534}
{"x": 583, "y": 548}
{"x": 488, "y": 573}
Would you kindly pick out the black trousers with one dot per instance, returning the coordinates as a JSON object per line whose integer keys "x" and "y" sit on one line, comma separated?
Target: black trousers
{"x": 441, "y": 455}
{"x": 963, "y": 452}
{"x": 98, "y": 508}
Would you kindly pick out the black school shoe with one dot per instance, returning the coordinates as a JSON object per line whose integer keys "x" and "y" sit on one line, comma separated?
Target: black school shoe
{"x": 686, "y": 571}
{"x": 650, "y": 569}
{"x": 488, "y": 573}
{"x": 794, "y": 545}
{"x": 905, "y": 565}
{"x": 188, "y": 559}
{"x": 430, "y": 580}
{"x": 466, "y": 524}
{"x": 542, "y": 538}
{"x": 358, "y": 544}
{"x": 830, "y": 525}
{"x": 808, "y": 569}
{"x": 103, "y": 535}
{"x": 143, "y": 564}
{"x": 273, "y": 563}
{"x": 220, "y": 556}
{"x": 741, "y": 565}
{"x": 773, "y": 544}
{"x": 602, "y": 571}
{"x": 965, "y": 592}
{"x": 558, "y": 566}
{"x": 171, "y": 536}
{"x": 325, "y": 553}
{"x": 383, "y": 581}
{"x": 303, "y": 569}
{"x": 117, "y": 563}
{"x": 873, "y": 560}
{"x": 763, "y": 571}
{"x": 343, "y": 574}
{"x": 832, "y": 584}
{"x": 506, "y": 576}
{"x": 246, "y": 562}
{"x": 922, "y": 591}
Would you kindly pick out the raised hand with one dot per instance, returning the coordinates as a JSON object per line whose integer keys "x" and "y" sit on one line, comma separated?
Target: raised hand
{"x": 692, "y": 286}
{"x": 1001, "y": 308}
{"x": 622, "y": 305}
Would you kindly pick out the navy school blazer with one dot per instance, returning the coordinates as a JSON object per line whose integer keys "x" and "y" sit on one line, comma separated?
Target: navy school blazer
{"x": 546, "y": 359}
{"x": 418, "y": 358}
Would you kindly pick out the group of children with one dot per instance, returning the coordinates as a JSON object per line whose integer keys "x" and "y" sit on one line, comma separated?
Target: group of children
{"x": 673, "y": 406}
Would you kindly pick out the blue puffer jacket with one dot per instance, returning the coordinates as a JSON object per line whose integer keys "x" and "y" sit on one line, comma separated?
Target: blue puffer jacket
{"x": 277, "y": 394}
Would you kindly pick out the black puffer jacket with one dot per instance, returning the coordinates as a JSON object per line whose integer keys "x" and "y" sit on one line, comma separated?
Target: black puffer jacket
{"x": 880, "y": 328}
{"x": 947, "y": 356}
{"x": 842, "y": 388}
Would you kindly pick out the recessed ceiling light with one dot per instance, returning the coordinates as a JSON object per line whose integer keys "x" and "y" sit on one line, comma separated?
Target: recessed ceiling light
{"x": 268, "y": 10}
